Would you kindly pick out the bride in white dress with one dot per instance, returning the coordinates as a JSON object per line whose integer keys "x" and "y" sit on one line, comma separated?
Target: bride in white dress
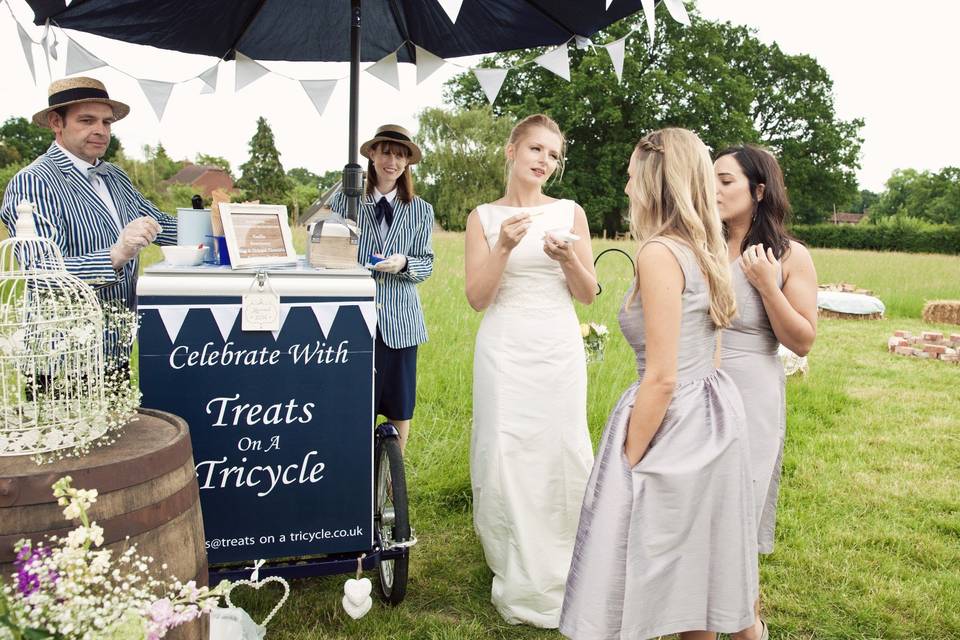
{"x": 530, "y": 453}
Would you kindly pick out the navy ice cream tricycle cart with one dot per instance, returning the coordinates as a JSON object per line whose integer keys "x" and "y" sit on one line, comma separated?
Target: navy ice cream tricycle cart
{"x": 290, "y": 467}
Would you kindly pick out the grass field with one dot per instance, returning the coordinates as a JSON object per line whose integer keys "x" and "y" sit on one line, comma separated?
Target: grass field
{"x": 868, "y": 542}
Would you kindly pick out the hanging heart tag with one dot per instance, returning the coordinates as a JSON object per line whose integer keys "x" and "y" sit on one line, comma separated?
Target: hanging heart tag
{"x": 257, "y": 586}
{"x": 356, "y": 593}
{"x": 357, "y": 612}
{"x": 261, "y": 306}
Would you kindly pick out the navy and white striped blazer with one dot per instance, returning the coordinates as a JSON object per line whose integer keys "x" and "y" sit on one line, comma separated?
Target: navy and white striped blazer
{"x": 70, "y": 213}
{"x": 399, "y": 314}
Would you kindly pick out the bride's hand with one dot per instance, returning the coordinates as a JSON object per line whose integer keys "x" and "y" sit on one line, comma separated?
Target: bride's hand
{"x": 513, "y": 229}
{"x": 558, "y": 250}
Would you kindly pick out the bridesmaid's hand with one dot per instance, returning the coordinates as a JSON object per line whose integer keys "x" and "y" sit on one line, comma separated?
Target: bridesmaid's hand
{"x": 633, "y": 451}
{"x": 558, "y": 250}
{"x": 760, "y": 267}
{"x": 513, "y": 229}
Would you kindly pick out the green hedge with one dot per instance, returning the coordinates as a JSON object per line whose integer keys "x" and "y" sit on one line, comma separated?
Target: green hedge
{"x": 938, "y": 239}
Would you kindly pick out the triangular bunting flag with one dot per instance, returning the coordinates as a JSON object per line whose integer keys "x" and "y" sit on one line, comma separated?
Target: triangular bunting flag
{"x": 678, "y": 11}
{"x": 209, "y": 78}
{"x": 79, "y": 59}
{"x": 325, "y": 313}
{"x": 386, "y": 69}
{"x": 206, "y": 90}
{"x": 427, "y": 63}
{"x": 490, "y": 81}
{"x": 53, "y": 46}
{"x": 248, "y": 71}
{"x": 557, "y": 61}
{"x": 369, "y": 311}
{"x": 158, "y": 94}
{"x": 452, "y": 8}
{"x": 616, "y": 50}
{"x": 225, "y": 315}
{"x": 173, "y": 317}
{"x": 27, "y": 45}
{"x": 284, "y": 312}
{"x": 583, "y": 43}
{"x": 319, "y": 92}
{"x": 609, "y": 2}
{"x": 649, "y": 7}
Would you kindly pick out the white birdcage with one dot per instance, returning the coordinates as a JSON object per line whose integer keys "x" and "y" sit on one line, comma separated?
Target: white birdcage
{"x": 51, "y": 348}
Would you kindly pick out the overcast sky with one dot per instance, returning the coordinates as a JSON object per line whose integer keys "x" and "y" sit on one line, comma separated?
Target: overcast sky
{"x": 893, "y": 63}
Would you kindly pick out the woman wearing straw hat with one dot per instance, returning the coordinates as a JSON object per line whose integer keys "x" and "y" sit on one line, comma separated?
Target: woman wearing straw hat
{"x": 87, "y": 206}
{"x": 395, "y": 235}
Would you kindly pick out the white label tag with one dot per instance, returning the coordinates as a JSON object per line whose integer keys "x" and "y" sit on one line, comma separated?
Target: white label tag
{"x": 261, "y": 312}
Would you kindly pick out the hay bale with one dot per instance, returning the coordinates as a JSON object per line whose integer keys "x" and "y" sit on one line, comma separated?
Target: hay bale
{"x": 942, "y": 312}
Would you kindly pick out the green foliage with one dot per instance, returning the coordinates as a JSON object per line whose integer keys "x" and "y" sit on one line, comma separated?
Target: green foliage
{"x": 930, "y": 196}
{"x": 716, "y": 79}
{"x": 330, "y": 178}
{"x": 299, "y": 175}
{"x": 214, "y": 161}
{"x": 463, "y": 161}
{"x": 863, "y": 202}
{"x": 7, "y": 173}
{"x": 28, "y": 139}
{"x": 898, "y": 233}
{"x": 262, "y": 176}
{"x": 9, "y": 155}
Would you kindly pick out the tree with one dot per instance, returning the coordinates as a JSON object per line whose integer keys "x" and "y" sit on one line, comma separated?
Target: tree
{"x": 934, "y": 197}
{"x": 303, "y": 176}
{"x": 214, "y": 161}
{"x": 716, "y": 79}
{"x": 9, "y": 155}
{"x": 262, "y": 176}
{"x": 863, "y": 202}
{"x": 29, "y": 140}
{"x": 463, "y": 161}
{"x": 330, "y": 178}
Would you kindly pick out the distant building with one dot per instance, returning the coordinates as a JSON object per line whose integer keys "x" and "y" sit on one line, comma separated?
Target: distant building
{"x": 204, "y": 179}
{"x": 846, "y": 218}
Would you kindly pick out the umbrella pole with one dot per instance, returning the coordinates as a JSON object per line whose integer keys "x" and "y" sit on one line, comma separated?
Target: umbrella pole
{"x": 353, "y": 172}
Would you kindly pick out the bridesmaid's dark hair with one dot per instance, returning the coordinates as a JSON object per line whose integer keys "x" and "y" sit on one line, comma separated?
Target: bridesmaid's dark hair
{"x": 770, "y": 213}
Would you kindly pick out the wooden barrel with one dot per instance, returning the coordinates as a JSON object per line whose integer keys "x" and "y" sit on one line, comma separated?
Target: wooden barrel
{"x": 148, "y": 493}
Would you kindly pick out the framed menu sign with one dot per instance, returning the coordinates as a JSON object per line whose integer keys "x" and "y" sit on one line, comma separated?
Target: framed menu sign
{"x": 257, "y": 234}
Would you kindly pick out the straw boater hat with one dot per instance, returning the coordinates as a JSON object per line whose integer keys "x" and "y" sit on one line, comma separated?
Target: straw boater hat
{"x": 68, "y": 91}
{"x": 392, "y": 133}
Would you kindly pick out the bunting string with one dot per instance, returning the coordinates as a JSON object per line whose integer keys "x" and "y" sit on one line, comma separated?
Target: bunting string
{"x": 247, "y": 71}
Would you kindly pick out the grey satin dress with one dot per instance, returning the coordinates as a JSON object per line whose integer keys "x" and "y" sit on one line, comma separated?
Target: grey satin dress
{"x": 749, "y": 356}
{"x": 669, "y": 545}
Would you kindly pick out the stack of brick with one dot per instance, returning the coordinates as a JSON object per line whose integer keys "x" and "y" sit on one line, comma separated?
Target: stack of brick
{"x": 929, "y": 344}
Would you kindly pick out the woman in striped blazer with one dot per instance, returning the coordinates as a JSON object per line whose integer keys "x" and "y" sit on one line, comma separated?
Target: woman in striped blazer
{"x": 395, "y": 233}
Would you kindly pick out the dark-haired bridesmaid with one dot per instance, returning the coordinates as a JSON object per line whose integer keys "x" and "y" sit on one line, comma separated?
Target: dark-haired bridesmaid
{"x": 776, "y": 288}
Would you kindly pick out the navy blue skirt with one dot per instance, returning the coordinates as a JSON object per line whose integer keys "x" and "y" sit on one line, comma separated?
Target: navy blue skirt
{"x": 394, "y": 380}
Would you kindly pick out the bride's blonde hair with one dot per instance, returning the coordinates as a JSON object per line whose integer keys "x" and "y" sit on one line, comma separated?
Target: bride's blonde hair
{"x": 673, "y": 194}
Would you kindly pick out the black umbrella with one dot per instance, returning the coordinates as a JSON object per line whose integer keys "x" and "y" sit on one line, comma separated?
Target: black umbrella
{"x": 316, "y": 29}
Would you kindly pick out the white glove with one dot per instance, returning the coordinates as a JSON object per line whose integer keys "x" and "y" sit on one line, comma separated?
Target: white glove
{"x": 134, "y": 237}
{"x": 392, "y": 264}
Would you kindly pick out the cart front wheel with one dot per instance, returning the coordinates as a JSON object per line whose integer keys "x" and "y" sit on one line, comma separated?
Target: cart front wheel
{"x": 392, "y": 518}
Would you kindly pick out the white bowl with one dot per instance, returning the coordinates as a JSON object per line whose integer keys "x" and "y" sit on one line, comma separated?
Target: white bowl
{"x": 183, "y": 255}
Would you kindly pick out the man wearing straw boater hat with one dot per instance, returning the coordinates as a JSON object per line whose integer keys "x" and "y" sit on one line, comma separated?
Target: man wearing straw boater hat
{"x": 395, "y": 242}
{"x": 88, "y": 207}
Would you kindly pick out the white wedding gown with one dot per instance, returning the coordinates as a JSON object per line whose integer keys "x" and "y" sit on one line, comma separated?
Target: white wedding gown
{"x": 530, "y": 451}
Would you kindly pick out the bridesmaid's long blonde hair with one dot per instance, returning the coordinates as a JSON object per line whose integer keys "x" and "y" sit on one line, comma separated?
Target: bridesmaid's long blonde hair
{"x": 672, "y": 193}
